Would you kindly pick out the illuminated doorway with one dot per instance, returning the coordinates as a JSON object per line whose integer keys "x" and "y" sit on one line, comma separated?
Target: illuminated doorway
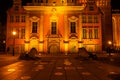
{"x": 54, "y": 49}
{"x": 73, "y": 46}
{"x": 34, "y": 43}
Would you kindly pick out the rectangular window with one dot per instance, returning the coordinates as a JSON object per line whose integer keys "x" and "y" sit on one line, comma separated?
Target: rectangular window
{"x": 11, "y": 18}
{"x": 96, "y": 33}
{"x": 17, "y": 18}
{"x": 84, "y": 33}
{"x": 84, "y": 19}
{"x": 91, "y": 8}
{"x": 95, "y": 19}
{"x": 72, "y": 27}
{"x": 34, "y": 27}
{"x": 90, "y": 34}
{"x": 53, "y": 27}
{"x": 23, "y": 33}
{"x": 89, "y": 18}
{"x": 23, "y": 19}
{"x": 16, "y": 8}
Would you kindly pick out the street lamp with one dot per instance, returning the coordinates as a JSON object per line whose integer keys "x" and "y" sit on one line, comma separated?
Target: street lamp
{"x": 14, "y": 33}
{"x": 109, "y": 49}
{"x": 109, "y": 42}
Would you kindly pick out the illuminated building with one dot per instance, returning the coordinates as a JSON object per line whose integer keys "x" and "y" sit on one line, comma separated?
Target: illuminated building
{"x": 59, "y": 26}
{"x": 116, "y": 28}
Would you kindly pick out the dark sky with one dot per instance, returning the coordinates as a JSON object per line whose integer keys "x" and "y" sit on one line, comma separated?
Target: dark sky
{"x": 6, "y": 4}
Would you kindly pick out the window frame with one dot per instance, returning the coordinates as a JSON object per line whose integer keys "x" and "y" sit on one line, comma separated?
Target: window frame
{"x": 34, "y": 27}
{"x": 53, "y": 27}
{"x": 72, "y": 27}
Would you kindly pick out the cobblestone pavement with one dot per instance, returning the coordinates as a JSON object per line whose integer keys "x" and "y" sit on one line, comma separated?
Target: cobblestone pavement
{"x": 59, "y": 68}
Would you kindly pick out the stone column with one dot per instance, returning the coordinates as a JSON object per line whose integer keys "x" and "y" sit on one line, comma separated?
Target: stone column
{"x": 41, "y": 34}
{"x": 66, "y": 34}
{"x": 27, "y": 40}
{"x": 80, "y": 31}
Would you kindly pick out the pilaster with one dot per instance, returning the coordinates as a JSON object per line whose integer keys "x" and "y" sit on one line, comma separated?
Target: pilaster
{"x": 80, "y": 31}
{"x": 41, "y": 34}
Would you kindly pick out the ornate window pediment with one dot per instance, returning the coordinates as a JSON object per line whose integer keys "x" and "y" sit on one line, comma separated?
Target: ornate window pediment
{"x": 73, "y": 19}
{"x": 34, "y": 19}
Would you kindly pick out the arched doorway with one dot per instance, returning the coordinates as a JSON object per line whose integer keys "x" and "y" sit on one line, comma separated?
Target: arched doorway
{"x": 34, "y": 43}
{"x": 73, "y": 46}
{"x": 54, "y": 49}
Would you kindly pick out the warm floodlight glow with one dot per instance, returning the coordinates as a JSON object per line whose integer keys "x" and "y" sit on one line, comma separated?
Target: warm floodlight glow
{"x": 109, "y": 42}
{"x": 14, "y": 33}
{"x": 11, "y": 70}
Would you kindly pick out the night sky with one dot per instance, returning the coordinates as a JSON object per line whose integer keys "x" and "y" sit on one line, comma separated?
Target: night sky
{"x": 6, "y": 4}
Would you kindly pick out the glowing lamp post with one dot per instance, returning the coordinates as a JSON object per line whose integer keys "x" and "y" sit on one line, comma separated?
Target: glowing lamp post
{"x": 14, "y": 33}
{"x": 109, "y": 43}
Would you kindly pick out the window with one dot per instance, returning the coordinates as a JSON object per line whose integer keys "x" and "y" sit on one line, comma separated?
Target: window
{"x": 96, "y": 33}
{"x": 23, "y": 33}
{"x": 95, "y": 19}
{"x": 84, "y": 19}
{"x": 89, "y": 18}
{"x": 17, "y": 18}
{"x": 90, "y": 34}
{"x": 53, "y": 28}
{"x": 72, "y": 27}
{"x": 84, "y": 33}
{"x": 11, "y": 18}
{"x": 34, "y": 27}
{"x": 91, "y": 8}
{"x": 16, "y": 8}
{"x": 23, "y": 19}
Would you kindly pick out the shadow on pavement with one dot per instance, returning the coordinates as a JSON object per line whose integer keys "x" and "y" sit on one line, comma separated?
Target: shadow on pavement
{"x": 110, "y": 60}
{"x": 114, "y": 76}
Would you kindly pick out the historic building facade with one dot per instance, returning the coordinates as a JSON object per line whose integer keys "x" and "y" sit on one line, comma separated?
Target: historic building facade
{"x": 116, "y": 28}
{"x": 55, "y": 26}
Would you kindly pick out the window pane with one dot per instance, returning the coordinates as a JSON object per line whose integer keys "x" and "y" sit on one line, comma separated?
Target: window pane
{"x": 73, "y": 27}
{"x": 89, "y": 18}
{"x": 23, "y": 19}
{"x": 96, "y": 33}
{"x": 53, "y": 28}
{"x": 11, "y": 18}
{"x": 17, "y": 18}
{"x": 84, "y": 19}
{"x": 84, "y": 33}
{"x": 16, "y": 8}
{"x": 90, "y": 34}
{"x": 95, "y": 19}
{"x": 91, "y": 8}
{"x": 34, "y": 27}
